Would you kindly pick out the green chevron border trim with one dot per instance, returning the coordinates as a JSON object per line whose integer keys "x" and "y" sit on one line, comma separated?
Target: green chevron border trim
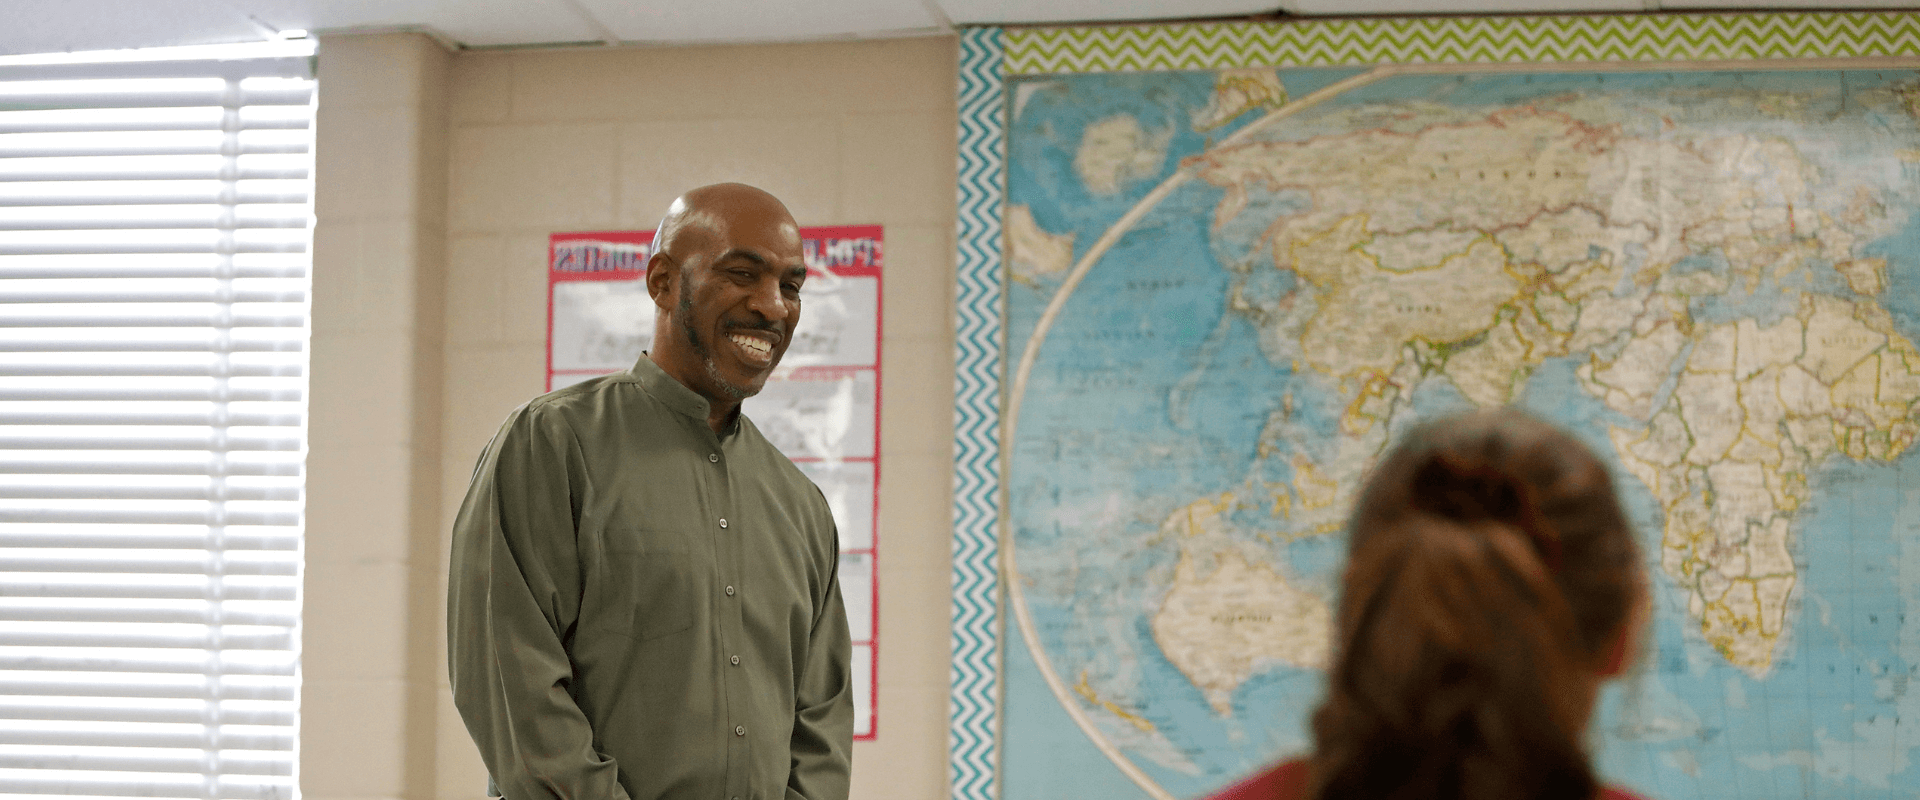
{"x": 1460, "y": 40}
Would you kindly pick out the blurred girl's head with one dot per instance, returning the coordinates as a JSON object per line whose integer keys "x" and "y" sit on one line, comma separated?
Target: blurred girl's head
{"x": 1492, "y": 581}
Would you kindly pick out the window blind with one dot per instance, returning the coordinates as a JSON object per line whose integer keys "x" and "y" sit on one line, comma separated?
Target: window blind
{"x": 154, "y": 225}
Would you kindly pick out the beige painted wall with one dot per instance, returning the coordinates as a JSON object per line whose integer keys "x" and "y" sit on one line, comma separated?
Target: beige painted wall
{"x": 432, "y": 296}
{"x": 372, "y": 575}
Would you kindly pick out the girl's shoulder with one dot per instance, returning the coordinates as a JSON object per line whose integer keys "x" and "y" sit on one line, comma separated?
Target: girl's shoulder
{"x": 1285, "y": 781}
{"x": 1288, "y": 781}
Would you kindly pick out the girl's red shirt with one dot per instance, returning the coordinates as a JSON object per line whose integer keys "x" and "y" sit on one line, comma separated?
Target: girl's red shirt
{"x": 1288, "y": 781}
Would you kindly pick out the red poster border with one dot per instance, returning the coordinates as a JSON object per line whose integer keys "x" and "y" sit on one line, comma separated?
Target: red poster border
{"x": 872, "y": 269}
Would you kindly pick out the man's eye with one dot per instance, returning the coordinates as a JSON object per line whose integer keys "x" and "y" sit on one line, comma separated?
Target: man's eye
{"x": 792, "y": 288}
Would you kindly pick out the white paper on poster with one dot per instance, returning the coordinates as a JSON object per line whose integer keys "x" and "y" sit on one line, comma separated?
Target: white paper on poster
{"x": 856, "y": 589}
{"x": 600, "y": 325}
{"x": 848, "y": 486}
{"x": 862, "y": 694}
{"x": 825, "y": 418}
{"x": 836, "y": 323}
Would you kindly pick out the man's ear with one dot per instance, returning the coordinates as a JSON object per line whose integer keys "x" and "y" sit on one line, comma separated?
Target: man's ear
{"x": 662, "y": 276}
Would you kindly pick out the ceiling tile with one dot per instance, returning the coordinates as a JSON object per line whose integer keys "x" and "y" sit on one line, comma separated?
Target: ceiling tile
{"x": 756, "y": 20}
{"x": 469, "y": 22}
{"x": 1040, "y": 11}
{"x": 1405, "y": 7}
{"x": 39, "y": 26}
{"x": 54, "y": 26}
{"x": 1751, "y": 5}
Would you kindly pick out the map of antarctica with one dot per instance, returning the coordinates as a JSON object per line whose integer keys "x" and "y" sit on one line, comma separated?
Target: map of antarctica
{"x": 1229, "y": 291}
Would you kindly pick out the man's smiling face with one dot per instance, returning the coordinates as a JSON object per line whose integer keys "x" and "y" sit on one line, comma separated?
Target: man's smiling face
{"x": 727, "y": 281}
{"x": 738, "y": 313}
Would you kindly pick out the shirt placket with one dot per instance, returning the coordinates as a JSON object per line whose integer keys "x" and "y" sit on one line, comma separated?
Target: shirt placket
{"x": 727, "y": 528}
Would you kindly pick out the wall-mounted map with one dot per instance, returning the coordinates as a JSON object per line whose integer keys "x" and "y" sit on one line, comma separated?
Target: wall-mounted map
{"x": 1227, "y": 291}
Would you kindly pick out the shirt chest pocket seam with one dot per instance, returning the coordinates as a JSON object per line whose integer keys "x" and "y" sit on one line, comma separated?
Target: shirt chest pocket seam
{"x": 651, "y": 587}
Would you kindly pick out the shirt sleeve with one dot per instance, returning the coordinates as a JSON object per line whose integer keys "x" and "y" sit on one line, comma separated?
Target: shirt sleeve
{"x": 513, "y": 592}
{"x": 822, "y": 744}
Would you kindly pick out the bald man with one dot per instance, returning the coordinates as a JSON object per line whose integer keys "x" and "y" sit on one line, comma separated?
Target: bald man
{"x": 644, "y": 600}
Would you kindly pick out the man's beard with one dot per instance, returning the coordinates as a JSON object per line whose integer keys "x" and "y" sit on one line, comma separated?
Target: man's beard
{"x": 705, "y": 353}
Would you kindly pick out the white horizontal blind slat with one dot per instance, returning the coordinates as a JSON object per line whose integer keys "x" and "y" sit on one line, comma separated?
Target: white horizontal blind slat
{"x": 153, "y": 297}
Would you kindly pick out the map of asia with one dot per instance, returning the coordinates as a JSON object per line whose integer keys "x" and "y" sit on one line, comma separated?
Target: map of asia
{"x": 1229, "y": 291}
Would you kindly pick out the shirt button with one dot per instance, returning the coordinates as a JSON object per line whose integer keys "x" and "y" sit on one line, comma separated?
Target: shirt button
{"x": 713, "y": 457}
{"x": 735, "y": 660}
{"x": 723, "y": 522}
{"x": 729, "y": 591}
{"x": 739, "y": 730}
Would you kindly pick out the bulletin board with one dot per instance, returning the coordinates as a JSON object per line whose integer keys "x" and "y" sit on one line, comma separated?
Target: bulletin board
{"x": 1207, "y": 273}
{"x": 821, "y": 407}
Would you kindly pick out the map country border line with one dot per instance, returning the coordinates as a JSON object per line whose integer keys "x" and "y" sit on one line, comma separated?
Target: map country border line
{"x": 1023, "y": 618}
{"x": 1011, "y": 419}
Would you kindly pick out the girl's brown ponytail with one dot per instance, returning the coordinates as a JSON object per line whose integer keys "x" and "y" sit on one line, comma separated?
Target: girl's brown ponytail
{"x": 1490, "y": 568}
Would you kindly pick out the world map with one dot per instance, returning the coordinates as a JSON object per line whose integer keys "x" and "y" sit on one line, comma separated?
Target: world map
{"x": 1230, "y": 291}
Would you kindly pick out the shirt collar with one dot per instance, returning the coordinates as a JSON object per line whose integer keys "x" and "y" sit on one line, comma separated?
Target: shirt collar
{"x": 670, "y": 391}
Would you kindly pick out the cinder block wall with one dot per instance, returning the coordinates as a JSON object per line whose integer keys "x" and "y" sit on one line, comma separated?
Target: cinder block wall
{"x": 372, "y": 579}
{"x": 531, "y": 142}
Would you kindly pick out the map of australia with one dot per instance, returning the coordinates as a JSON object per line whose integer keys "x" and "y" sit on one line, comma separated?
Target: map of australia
{"x": 1702, "y": 275}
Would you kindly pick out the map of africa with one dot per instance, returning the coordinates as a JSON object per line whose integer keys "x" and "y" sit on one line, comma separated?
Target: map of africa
{"x": 1229, "y": 291}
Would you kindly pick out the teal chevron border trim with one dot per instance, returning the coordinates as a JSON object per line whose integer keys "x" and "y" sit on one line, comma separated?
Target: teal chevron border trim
{"x": 974, "y": 701}
{"x": 1674, "y": 37}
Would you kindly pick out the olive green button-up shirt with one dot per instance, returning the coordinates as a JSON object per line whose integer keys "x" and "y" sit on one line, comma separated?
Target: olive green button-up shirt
{"x": 639, "y": 608}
